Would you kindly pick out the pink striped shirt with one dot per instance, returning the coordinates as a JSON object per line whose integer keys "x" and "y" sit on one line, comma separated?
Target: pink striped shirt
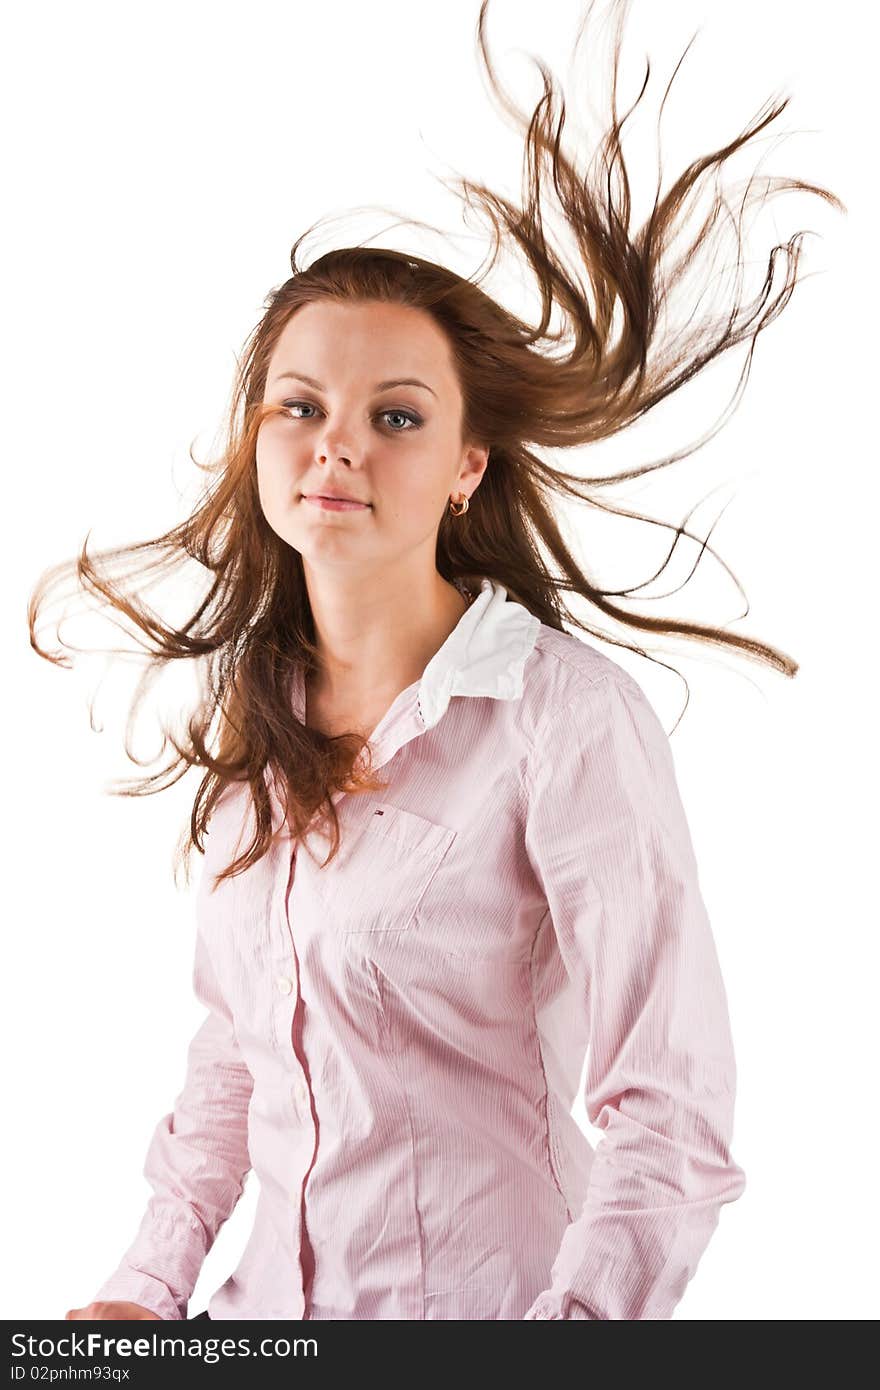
{"x": 394, "y": 1044}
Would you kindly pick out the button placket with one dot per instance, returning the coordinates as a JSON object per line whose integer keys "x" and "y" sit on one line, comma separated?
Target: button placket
{"x": 286, "y": 985}
{"x": 301, "y": 1096}
{"x": 283, "y": 961}
{"x": 299, "y": 1088}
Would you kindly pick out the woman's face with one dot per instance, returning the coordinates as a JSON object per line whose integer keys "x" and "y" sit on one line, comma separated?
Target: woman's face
{"x": 396, "y": 448}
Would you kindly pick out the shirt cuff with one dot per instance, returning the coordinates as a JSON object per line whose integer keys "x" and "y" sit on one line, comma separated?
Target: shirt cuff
{"x": 133, "y": 1286}
{"x": 548, "y": 1305}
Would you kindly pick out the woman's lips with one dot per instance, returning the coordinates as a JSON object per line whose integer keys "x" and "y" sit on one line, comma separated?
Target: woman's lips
{"x": 337, "y": 504}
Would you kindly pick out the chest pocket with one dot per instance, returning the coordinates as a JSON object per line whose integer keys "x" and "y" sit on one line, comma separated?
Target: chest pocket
{"x": 380, "y": 882}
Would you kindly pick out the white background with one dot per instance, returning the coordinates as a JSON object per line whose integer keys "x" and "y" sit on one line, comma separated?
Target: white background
{"x": 158, "y": 165}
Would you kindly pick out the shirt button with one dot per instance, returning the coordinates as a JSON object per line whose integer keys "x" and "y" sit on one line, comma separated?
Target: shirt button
{"x": 284, "y": 983}
{"x": 301, "y": 1092}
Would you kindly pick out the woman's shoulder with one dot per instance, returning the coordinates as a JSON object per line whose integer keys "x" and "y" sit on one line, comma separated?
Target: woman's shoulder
{"x": 577, "y": 696}
{"x": 563, "y": 668}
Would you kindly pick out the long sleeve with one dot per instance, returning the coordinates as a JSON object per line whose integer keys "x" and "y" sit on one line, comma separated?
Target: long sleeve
{"x": 608, "y": 840}
{"x": 196, "y": 1161}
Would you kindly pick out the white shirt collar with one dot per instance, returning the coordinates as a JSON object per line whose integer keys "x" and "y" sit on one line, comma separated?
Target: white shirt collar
{"x": 485, "y": 653}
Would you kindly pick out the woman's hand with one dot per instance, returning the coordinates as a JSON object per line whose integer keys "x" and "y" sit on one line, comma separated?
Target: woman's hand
{"x": 103, "y": 1312}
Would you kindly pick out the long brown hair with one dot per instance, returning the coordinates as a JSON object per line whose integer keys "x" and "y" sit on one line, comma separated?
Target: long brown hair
{"x": 254, "y": 623}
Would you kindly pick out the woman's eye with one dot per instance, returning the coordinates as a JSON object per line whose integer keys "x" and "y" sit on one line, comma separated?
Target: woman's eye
{"x": 414, "y": 421}
{"x": 407, "y": 415}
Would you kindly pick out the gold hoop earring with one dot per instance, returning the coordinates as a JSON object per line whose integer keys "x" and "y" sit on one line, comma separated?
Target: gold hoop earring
{"x": 463, "y": 508}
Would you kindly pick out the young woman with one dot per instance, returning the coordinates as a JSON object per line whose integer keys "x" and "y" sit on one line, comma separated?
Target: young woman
{"x": 446, "y": 859}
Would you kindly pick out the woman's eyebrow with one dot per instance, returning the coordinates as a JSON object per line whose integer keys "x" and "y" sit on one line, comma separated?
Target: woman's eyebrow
{"x": 380, "y": 385}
